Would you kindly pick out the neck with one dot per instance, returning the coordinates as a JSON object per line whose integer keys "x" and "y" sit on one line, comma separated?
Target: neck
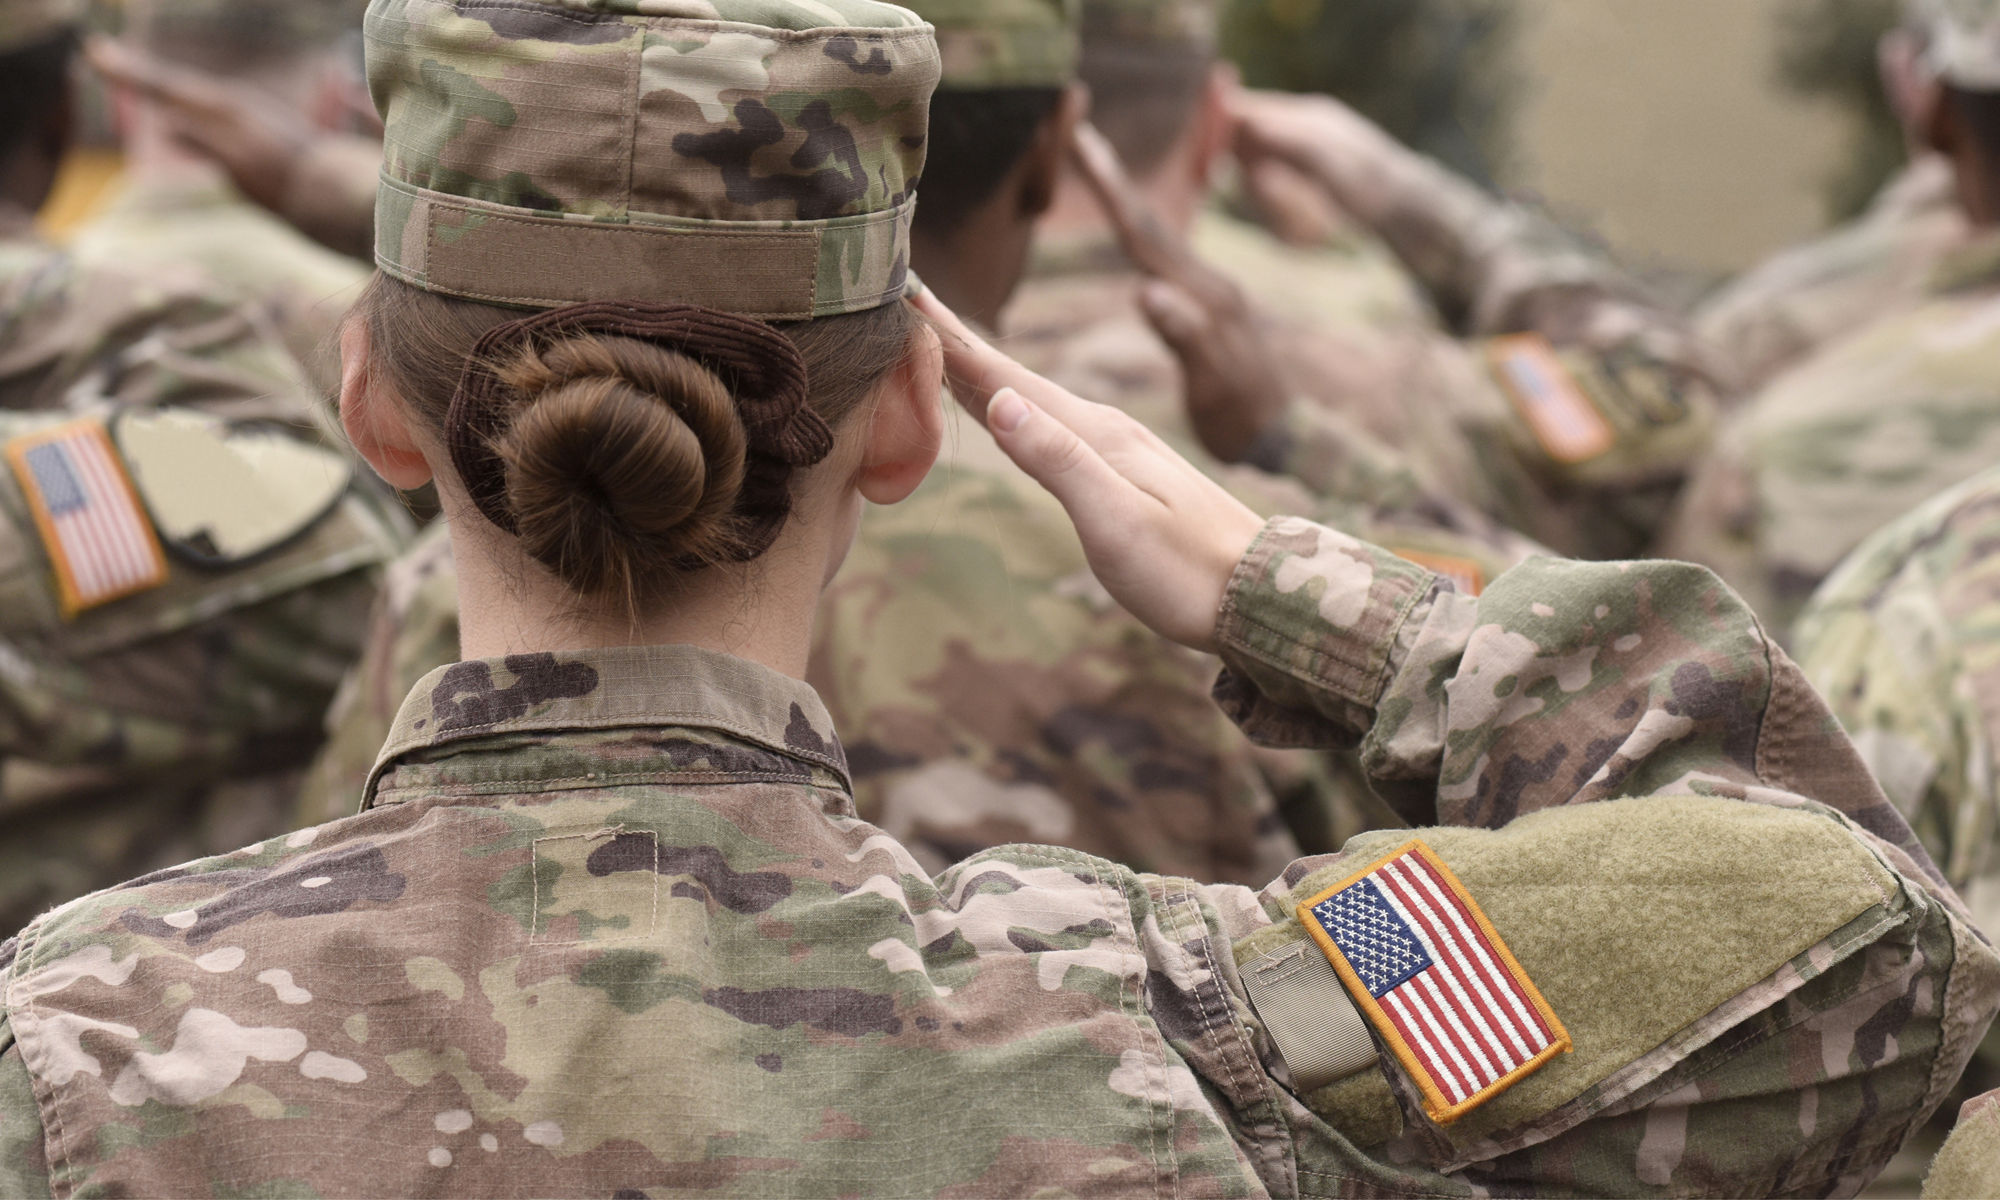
{"x": 760, "y": 611}
{"x": 1077, "y": 212}
{"x": 975, "y": 270}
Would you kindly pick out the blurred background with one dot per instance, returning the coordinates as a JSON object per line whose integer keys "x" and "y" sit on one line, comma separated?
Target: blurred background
{"x": 1694, "y": 136}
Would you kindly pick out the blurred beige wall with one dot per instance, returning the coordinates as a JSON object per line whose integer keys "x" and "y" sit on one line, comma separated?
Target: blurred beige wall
{"x": 1658, "y": 122}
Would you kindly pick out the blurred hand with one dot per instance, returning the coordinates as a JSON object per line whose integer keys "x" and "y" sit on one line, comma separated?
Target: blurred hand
{"x": 1162, "y": 537}
{"x": 1292, "y": 206}
{"x": 1323, "y": 139}
{"x": 255, "y": 141}
{"x": 1234, "y": 387}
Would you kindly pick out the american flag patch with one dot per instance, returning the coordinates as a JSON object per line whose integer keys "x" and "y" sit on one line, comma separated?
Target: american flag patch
{"x": 1563, "y": 419}
{"x": 1432, "y": 975}
{"x": 99, "y": 539}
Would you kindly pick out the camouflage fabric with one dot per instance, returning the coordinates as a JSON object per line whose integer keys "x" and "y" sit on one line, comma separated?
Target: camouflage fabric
{"x": 564, "y": 854}
{"x": 1003, "y": 43}
{"x": 1845, "y": 443}
{"x": 1573, "y": 410}
{"x": 154, "y": 225}
{"x": 1791, "y": 306}
{"x": 1964, "y": 44}
{"x": 754, "y": 156}
{"x": 175, "y": 722}
{"x": 296, "y": 24}
{"x": 1901, "y": 643}
{"x": 25, "y": 22}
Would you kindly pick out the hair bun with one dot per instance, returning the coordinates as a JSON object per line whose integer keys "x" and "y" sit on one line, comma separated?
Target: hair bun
{"x": 624, "y": 461}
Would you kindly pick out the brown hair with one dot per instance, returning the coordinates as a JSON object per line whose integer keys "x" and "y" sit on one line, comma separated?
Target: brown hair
{"x": 625, "y": 460}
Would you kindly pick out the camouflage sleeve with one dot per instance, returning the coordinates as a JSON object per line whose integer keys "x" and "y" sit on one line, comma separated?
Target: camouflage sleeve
{"x": 332, "y": 194}
{"x": 1969, "y": 1163}
{"x": 1563, "y": 682}
{"x": 24, "y": 1168}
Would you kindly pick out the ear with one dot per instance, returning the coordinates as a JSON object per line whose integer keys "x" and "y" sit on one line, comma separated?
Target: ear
{"x": 1042, "y": 166}
{"x": 373, "y": 421}
{"x": 1211, "y": 133}
{"x": 907, "y": 430}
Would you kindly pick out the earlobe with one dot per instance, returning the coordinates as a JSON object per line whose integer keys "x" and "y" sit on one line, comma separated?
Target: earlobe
{"x": 376, "y": 427}
{"x": 907, "y": 431}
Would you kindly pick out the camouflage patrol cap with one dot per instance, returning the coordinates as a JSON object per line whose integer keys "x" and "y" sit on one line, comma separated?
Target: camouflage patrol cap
{"x": 1171, "y": 23}
{"x": 25, "y": 22}
{"x": 989, "y": 44}
{"x": 753, "y": 156}
{"x": 1964, "y": 42}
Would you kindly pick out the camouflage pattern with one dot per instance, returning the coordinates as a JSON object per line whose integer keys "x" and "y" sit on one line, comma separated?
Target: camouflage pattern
{"x": 1809, "y": 296}
{"x": 157, "y": 224}
{"x": 986, "y": 44}
{"x": 1494, "y": 270}
{"x": 26, "y": 22}
{"x": 294, "y": 25}
{"x": 1845, "y": 443}
{"x": 563, "y": 855}
{"x": 175, "y": 722}
{"x": 1964, "y": 42}
{"x": 755, "y": 156}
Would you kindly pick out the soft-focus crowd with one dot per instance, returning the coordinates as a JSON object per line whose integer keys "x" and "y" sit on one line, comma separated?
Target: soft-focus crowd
{"x": 808, "y": 597}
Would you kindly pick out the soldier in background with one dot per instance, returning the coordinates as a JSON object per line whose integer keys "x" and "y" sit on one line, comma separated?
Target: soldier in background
{"x": 576, "y": 842}
{"x": 160, "y": 702}
{"x": 1887, "y": 417}
{"x": 174, "y": 206}
{"x": 1797, "y": 302}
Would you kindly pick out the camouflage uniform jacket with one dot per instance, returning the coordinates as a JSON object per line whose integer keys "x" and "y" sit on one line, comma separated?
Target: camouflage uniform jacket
{"x": 175, "y": 722}
{"x": 1901, "y": 641}
{"x": 464, "y": 988}
{"x": 153, "y": 224}
{"x": 1786, "y": 309}
{"x": 1571, "y": 410}
{"x": 1849, "y": 440}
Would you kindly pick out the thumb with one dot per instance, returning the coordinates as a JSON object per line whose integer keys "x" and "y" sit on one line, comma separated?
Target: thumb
{"x": 1176, "y": 315}
{"x": 1051, "y": 453}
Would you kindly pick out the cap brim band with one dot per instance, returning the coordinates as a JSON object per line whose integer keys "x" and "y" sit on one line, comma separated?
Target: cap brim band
{"x": 772, "y": 271}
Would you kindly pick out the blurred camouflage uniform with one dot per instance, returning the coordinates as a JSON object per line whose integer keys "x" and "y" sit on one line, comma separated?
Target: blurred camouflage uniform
{"x": 1812, "y": 295}
{"x": 1845, "y": 442}
{"x": 1573, "y": 410}
{"x": 173, "y": 722}
{"x": 561, "y": 856}
{"x": 167, "y": 215}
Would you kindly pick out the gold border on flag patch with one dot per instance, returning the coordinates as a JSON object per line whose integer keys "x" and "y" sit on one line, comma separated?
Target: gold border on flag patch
{"x": 1564, "y": 420}
{"x": 1434, "y": 978}
{"x": 98, "y": 537}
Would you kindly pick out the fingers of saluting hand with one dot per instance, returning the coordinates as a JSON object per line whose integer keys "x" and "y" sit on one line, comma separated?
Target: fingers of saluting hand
{"x": 977, "y": 371}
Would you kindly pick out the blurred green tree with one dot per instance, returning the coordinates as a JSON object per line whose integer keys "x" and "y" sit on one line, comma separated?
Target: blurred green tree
{"x": 1827, "y": 53}
{"x": 1439, "y": 74}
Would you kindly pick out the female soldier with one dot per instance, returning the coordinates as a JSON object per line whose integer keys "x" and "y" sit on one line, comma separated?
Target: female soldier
{"x": 607, "y": 924}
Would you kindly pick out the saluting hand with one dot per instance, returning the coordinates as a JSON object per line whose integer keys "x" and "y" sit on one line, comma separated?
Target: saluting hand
{"x": 1234, "y": 387}
{"x": 1161, "y": 536}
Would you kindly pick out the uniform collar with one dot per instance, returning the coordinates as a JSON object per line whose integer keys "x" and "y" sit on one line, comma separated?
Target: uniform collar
{"x": 1093, "y": 252}
{"x": 499, "y": 700}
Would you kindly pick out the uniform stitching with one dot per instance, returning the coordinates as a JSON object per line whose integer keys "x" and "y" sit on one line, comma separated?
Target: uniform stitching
{"x": 535, "y": 905}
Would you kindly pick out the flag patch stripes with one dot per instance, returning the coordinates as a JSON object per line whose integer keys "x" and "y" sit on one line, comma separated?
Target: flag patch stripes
{"x": 98, "y": 536}
{"x": 1562, "y": 418}
{"x": 1435, "y": 979}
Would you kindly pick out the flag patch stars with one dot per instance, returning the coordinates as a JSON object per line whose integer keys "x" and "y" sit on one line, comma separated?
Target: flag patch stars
{"x": 1434, "y": 978}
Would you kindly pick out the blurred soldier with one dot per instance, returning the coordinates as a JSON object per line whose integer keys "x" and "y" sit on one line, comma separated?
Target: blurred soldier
{"x": 1806, "y": 297}
{"x": 181, "y": 590}
{"x": 1883, "y": 419}
{"x": 175, "y": 206}
{"x": 1576, "y": 429}
{"x": 608, "y": 923}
